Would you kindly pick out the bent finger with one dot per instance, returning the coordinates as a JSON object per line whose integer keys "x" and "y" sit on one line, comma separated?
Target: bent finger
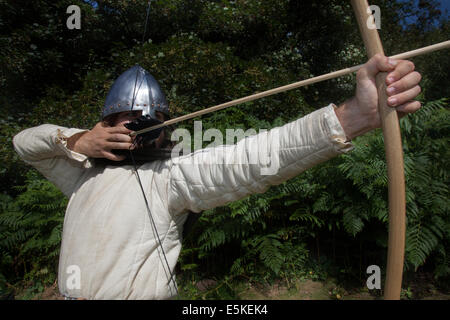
{"x": 119, "y": 129}
{"x": 404, "y": 97}
{"x": 119, "y": 137}
{"x": 113, "y": 156}
{"x": 408, "y": 107}
{"x": 120, "y": 145}
{"x": 402, "y": 69}
{"x": 407, "y": 82}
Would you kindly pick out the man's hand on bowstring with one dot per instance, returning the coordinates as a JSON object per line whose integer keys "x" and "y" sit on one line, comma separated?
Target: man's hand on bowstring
{"x": 359, "y": 114}
{"x": 98, "y": 142}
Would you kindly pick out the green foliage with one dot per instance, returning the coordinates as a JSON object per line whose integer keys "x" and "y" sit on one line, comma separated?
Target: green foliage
{"x": 30, "y": 231}
{"x": 428, "y": 180}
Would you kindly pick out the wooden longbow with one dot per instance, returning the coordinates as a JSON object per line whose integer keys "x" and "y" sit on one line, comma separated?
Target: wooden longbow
{"x": 394, "y": 159}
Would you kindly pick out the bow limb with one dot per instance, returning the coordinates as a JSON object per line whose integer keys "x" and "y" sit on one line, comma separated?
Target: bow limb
{"x": 394, "y": 159}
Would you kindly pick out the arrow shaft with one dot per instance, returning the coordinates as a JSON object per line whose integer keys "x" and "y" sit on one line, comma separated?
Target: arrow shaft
{"x": 295, "y": 85}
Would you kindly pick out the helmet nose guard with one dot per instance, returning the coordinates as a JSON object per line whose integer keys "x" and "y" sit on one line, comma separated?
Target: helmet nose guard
{"x": 135, "y": 89}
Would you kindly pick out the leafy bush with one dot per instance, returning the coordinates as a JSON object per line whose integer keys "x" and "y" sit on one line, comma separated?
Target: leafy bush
{"x": 30, "y": 232}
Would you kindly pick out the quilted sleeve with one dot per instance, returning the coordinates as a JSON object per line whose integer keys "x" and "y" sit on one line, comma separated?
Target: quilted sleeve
{"x": 45, "y": 148}
{"x": 215, "y": 176}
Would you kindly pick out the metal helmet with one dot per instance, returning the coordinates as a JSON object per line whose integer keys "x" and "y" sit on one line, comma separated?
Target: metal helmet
{"x": 135, "y": 89}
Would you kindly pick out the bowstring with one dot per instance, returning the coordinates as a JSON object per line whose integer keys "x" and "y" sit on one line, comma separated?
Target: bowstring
{"x": 155, "y": 230}
{"x": 152, "y": 221}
